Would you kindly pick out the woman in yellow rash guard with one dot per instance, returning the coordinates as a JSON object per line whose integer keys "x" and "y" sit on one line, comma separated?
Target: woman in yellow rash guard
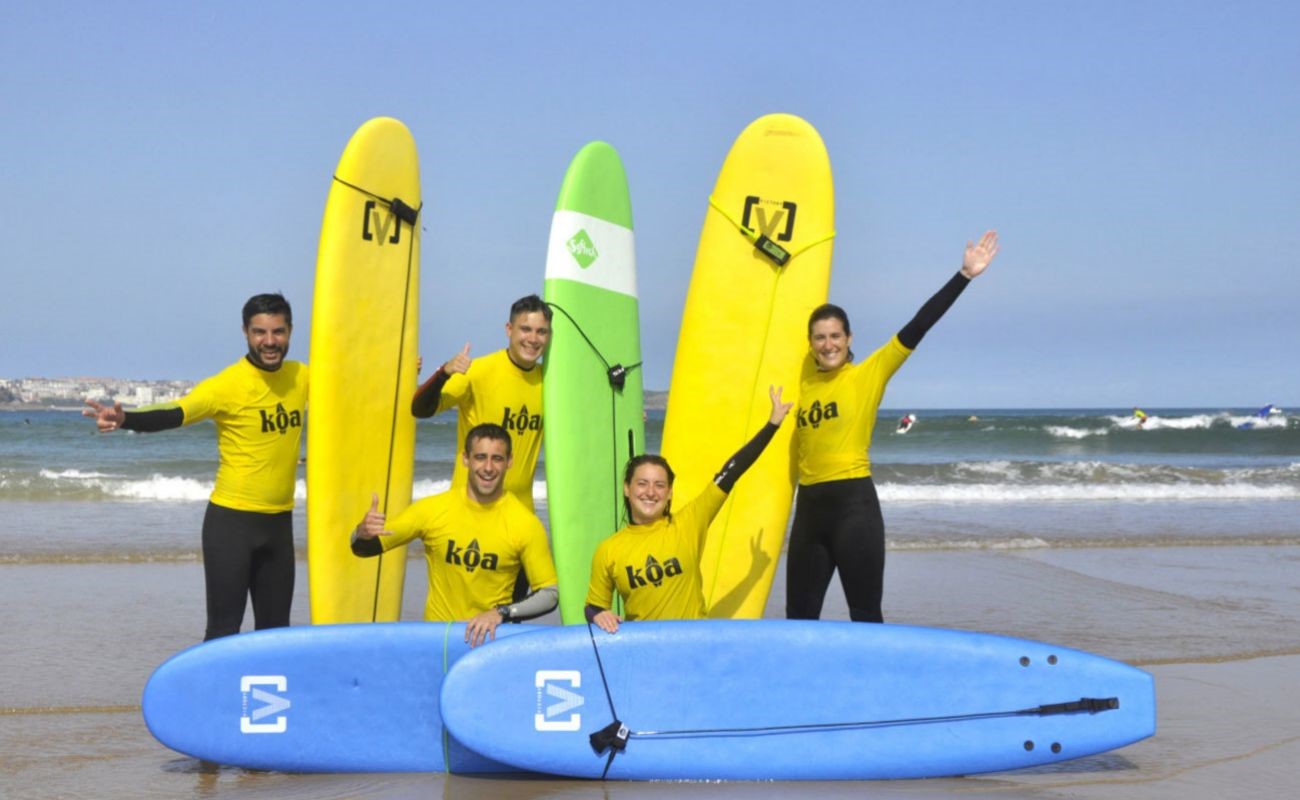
{"x": 654, "y": 563}
{"x": 837, "y": 521}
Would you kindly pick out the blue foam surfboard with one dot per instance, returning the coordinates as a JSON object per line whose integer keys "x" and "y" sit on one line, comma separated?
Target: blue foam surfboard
{"x": 790, "y": 700}
{"x": 324, "y": 698}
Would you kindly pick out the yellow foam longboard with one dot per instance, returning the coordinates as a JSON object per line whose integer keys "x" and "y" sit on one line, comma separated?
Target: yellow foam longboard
{"x": 745, "y": 328}
{"x": 360, "y": 432}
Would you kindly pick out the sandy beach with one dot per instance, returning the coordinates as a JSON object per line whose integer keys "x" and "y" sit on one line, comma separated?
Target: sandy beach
{"x": 81, "y": 639}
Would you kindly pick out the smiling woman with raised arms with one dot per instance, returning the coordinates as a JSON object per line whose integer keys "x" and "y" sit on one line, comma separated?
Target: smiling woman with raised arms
{"x": 654, "y": 563}
{"x": 837, "y": 520}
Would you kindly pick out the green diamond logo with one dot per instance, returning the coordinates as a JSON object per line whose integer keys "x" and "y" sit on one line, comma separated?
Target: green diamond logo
{"x": 582, "y": 250}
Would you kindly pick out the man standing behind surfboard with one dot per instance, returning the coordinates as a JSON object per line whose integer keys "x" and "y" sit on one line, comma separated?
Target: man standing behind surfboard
{"x": 258, "y": 404}
{"x": 477, "y": 539}
{"x": 504, "y": 387}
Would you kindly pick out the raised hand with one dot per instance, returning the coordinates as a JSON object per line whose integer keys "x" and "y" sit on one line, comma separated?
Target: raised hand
{"x": 779, "y": 409}
{"x": 979, "y": 255}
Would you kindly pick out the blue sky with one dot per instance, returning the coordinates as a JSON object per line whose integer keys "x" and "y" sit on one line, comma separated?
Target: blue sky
{"x": 162, "y": 161}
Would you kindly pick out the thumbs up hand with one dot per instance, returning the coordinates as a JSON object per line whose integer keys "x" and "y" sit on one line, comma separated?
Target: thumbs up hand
{"x": 459, "y": 362}
{"x": 372, "y": 524}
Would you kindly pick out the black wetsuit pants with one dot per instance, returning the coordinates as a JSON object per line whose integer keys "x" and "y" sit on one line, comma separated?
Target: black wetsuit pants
{"x": 247, "y": 553}
{"x": 837, "y": 526}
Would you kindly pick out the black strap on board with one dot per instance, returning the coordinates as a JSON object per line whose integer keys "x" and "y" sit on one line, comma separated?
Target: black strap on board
{"x": 400, "y": 210}
{"x": 1084, "y": 705}
{"x": 614, "y": 736}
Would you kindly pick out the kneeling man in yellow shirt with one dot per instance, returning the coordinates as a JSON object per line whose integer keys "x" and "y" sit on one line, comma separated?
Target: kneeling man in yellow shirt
{"x": 476, "y": 538}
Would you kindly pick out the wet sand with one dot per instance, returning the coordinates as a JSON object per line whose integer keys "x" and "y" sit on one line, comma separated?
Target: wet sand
{"x": 1219, "y": 628}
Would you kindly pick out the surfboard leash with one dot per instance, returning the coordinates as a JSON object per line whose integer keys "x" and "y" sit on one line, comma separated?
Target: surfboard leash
{"x": 617, "y": 375}
{"x": 410, "y": 216}
{"x": 614, "y": 736}
{"x": 776, "y": 253}
{"x": 1084, "y": 705}
{"x": 401, "y": 210}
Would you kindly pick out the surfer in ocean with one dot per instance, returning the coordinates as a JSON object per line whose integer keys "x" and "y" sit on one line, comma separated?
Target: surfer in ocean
{"x": 837, "y": 522}
{"x": 654, "y": 562}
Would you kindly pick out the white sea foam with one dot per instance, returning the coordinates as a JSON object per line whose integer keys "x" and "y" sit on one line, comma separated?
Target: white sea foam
{"x": 1257, "y": 423}
{"x": 1011, "y": 493}
{"x": 158, "y": 487}
{"x": 1195, "y": 421}
{"x": 72, "y": 474}
{"x": 427, "y": 486}
{"x": 1066, "y": 432}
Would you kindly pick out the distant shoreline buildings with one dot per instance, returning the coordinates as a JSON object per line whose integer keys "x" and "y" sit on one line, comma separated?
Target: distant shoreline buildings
{"x": 62, "y": 392}
{"x": 73, "y": 392}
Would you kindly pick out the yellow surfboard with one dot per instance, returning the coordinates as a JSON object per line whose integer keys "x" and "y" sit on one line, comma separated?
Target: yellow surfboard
{"x": 763, "y": 265}
{"x": 360, "y": 432}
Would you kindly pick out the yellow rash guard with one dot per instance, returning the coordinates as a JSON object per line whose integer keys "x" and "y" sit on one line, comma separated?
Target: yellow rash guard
{"x": 474, "y": 551}
{"x": 496, "y": 390}
{"x": 259, "y": 417}
{"x": 655, "y": 568}
{"x": 837, "y": 412}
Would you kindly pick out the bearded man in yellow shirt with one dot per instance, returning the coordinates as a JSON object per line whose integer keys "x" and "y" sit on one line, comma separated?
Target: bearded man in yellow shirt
{"x": 259, "y": 405}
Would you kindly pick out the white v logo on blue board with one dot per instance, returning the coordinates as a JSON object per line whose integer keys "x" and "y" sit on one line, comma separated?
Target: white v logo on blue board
{"x": 547, "y": 683}
{"x": 272, "y": 704}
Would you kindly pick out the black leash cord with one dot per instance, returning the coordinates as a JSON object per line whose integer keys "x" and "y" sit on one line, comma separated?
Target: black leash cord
{"x": 403, "y": 212}
{"x": 615, "y": 735}
{"x": 1084, "y": 705}
{"x": 617, "y": 374}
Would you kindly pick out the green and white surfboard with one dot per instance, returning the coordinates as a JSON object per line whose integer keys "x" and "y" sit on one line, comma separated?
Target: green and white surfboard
{"x": 592, "y": 385}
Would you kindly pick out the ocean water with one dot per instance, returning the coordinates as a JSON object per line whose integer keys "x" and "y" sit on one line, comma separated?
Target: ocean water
{"x": 959, "y": 479}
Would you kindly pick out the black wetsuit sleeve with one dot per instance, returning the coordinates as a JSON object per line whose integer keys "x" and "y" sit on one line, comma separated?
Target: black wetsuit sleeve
{"x": 591, "y": 611}
{"x": 425, "y": 402}
{"x": 744, "y": 458}
{"x": 366, "y": 547}
{"x": 162, "y": 419}
{"x": 934, "y": 308}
